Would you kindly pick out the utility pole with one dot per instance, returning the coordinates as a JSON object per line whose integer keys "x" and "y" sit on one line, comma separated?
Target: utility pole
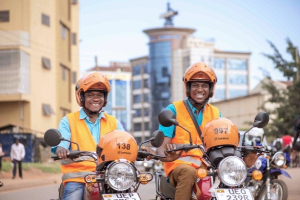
{"x": 297, "y": 63}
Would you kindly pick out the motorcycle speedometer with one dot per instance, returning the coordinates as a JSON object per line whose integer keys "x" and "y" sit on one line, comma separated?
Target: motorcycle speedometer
{"x": 232, "y": 171}
{"x": 279, "y": 159}
{"x": 120, "y": 176}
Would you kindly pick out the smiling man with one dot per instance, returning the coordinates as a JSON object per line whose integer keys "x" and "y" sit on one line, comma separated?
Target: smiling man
{"x": 84, "y": 127}
{"x": 180, "y": 167}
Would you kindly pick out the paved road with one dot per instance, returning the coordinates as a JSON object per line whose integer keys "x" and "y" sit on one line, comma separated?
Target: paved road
{"x": 147, "y": 192}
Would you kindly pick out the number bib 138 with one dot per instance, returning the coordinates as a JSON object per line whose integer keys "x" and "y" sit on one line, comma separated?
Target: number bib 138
{"x": 233, "y": 194}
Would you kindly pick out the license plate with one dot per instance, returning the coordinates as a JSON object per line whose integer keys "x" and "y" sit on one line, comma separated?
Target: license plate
{"x": 233, "y": 194}
{"x": 121, "y": 196}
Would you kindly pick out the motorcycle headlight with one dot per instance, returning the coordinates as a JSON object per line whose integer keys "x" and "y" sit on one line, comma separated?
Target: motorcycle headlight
{"x": 120, "y": 176}
{"x": 279, "y": 159}
{"x": 232, "y": 171}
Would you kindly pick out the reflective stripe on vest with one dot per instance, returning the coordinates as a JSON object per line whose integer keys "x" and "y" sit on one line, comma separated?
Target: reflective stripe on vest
{"x": 69, "y": 161}
{"x": 81, "y": 134}
{"x": 182, "y": 136}
{"x": 75, "y": 175}
{"x": 190, "y": 159}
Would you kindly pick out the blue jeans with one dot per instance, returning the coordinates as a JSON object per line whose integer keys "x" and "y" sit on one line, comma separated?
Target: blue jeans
{"x": 74, "y": 191}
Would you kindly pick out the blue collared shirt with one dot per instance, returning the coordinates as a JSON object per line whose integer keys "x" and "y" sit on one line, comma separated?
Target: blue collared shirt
{"x": 170, "y": 131}
{"x": 64, "y": 129}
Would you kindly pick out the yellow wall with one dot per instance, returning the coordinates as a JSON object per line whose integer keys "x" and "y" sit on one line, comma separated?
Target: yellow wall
{"x": 46, "y": 85}
{"x": 15, "y": 113}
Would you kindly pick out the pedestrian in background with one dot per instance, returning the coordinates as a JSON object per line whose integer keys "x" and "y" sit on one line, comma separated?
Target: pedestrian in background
{"x": 1, "y": 155}
{"x": 17, "y": 154}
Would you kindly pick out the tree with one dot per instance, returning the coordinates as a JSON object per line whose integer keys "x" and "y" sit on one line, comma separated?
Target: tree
{"x": 287, "y": 101}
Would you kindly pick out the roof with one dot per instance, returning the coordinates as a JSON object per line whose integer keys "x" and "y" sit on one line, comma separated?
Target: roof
{"x": 19, "y": 129}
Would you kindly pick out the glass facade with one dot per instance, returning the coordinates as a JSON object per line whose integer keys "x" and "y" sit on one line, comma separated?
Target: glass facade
{"x": 120, "y": 90}
{"x": 160, "y": 64}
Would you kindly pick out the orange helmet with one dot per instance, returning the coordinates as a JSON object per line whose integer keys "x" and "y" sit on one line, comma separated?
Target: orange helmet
{"x": 199, "y": 72}
{"x": 117, "y": 145}
{"x": 91, "y": 81}
{"x": 220, "y": 132}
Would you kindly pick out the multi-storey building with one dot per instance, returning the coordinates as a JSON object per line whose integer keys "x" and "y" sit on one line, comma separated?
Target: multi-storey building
{"x": 171, "y": 51}
{"x": 38, "y": 62}
{"x": 119, "y": 98}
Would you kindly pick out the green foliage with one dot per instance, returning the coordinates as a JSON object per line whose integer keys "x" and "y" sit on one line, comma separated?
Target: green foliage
{"x": 45, "y": 167}
{"x": 287, "y": 101}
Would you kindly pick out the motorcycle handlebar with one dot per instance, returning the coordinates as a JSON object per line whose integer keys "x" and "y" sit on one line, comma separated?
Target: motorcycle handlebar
{"x": 76, "y": 154}
{"x": 186, "y": 147}
{"x": 144, "y": 154}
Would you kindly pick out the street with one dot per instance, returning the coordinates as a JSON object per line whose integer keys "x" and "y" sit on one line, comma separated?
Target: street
{"x": 146, "y": 192}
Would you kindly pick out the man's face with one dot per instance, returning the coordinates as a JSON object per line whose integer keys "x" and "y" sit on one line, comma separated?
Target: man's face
{"x": 199, "y": 91}
{"x": 94, "y": 100}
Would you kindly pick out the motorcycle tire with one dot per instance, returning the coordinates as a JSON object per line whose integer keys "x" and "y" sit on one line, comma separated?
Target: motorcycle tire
{"x": 279, "y": 184}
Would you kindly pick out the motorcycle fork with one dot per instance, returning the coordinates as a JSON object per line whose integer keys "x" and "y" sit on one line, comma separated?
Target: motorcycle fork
{"x": 268, "y": 180}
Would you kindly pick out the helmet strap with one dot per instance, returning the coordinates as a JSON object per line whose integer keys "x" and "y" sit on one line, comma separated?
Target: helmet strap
{"x": 90, "y": 113}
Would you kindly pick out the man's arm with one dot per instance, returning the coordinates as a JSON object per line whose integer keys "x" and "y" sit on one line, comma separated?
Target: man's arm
{"x": 162, "y": 151}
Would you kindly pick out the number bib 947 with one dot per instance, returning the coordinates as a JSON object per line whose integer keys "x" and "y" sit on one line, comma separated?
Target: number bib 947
{"x": 233, "y": 194}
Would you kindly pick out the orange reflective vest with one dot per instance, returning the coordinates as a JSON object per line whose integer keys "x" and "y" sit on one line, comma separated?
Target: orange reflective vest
{"x": 182, "y": 137}
{"x": 80, "y": 133}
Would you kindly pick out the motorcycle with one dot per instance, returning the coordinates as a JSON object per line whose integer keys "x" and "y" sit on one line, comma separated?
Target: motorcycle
{"x": 115, "y": 176}
{"x": 269, "y": 187}
{"x": 227, "y": 171}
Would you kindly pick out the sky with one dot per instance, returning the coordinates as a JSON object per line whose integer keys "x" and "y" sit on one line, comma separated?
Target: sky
{"x": 112, "y": 30}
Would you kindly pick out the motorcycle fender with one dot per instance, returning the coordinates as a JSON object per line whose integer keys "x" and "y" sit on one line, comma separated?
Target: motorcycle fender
{"x": 281, "y": 172}
{"x": 201, "y": 188}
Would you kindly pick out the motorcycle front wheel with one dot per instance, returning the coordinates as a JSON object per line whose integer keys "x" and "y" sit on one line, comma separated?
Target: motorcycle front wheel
{"x": 278, "y": 191}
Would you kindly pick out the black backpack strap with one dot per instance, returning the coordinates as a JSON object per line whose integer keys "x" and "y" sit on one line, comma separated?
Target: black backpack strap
{"x": 193, "y": 118}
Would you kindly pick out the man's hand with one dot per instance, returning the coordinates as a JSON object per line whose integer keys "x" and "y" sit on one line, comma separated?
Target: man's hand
{"x": 62, "y": 152}
{"x": 149, "y": 150}
{"x": 173, "y": 155}
{"x": 251, "y": 158}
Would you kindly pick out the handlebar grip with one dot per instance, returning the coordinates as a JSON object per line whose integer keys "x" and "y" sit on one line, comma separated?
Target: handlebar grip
{"x": 55, "y": 157}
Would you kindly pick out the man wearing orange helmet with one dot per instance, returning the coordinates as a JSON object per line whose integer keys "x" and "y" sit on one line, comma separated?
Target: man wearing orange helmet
{"x": 199, "y": 83}
{"x": 84, "y": 127}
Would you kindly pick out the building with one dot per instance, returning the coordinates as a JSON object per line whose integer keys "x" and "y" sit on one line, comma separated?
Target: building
{"x": 119, "y": 98}
{"x": 242, "y": 110}
{"x": 171, "y": 51}
{"x": 38, "y": 62}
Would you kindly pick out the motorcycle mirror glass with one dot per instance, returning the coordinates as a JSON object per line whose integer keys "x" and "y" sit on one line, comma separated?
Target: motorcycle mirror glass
{"x": 261, "y": 120}
{"x": 52, "y": 137}
{"x": 157, "y": 139}
{"x": 167, "y": 118}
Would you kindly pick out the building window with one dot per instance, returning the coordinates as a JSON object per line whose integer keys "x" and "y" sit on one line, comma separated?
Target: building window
{"x": 146, "y": 112}
{"x": 237, "y": 64}
{"x": 165, "y": 72}
{"x": 47, "y": 110}
{"x": 233, "y": 93}
{"x": 220, "y": 94}
{"x": 146, "y": 97}
{"x": 219, "y": 64}
{"x": 65, "y": 72}
{"x": 74, "y": 77}
{"x": 146, "y": 83}
{"x": 146, "y": 124}
{"x": 165, "y": 36}
{"x": 137, "y": 84}
{"x": 137, "y": 98}
{"x": 221, "y": 77}
{"x": 45, "y": 20}
{"x": 137, "y": 126}
{"x": 63, "y": 31}
{"x": 138, "y": 112}
{"x": 238, "y": 79}
{"x": 4, "y": 16}
{"x": 46, "y": 63}
{"x": 74, "y": 38}
{"x": 137, "y": 70}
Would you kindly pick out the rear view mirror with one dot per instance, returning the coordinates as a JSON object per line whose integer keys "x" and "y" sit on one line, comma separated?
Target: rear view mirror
{"x": 261, "y": 120}
{"x": 157, "y": 139}
{"x": 52, "y": 137}
{"x": 167, "y": 118}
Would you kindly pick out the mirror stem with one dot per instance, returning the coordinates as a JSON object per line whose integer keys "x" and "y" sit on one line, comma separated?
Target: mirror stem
{"x": 188, "y": 132}
{"x": 243, "y": 143}
{"x": 71, "y": 142}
